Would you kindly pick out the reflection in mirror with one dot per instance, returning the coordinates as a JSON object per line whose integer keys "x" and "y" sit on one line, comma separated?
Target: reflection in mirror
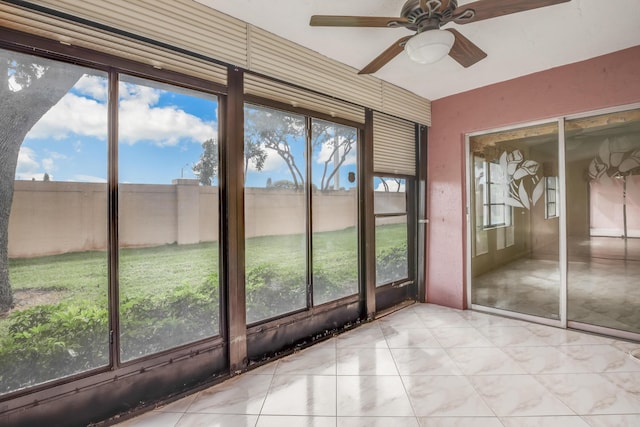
{"x": 515, "y": 252}
{"x": 603, "y": 220}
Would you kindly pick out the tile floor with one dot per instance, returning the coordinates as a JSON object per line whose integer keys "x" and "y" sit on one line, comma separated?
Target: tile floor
{"x": 427, "y": 365}
{"x": 602, "y": 284}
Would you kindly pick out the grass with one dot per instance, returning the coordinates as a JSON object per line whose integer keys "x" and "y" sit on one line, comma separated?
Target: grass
{"x": 150, "y": 271}
{"x": 168, "y": 297}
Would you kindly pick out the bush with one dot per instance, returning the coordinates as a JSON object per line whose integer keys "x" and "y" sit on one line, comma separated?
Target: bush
{"x": 271, "y": 291}
{"x": 167, "y": 320}
{"x": 53, "y": 341}
{"x": 391, "y": 264}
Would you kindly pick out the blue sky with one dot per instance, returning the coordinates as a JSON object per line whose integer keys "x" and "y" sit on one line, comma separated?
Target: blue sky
{"x": 161, "y": 131}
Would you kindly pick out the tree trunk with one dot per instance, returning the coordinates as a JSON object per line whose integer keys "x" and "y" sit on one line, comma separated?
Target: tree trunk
{"x": 20, "y": 110}
{"x": 8, "y": 161}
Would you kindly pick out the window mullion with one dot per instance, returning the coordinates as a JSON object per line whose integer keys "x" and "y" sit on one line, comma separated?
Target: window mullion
{"x": 309, "y": 230}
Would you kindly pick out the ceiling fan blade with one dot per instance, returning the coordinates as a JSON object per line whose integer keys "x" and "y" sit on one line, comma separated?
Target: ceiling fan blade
{"x": 386, "y": 56}
{"x": 487, "y": 9}
{"x": 464, "y": 50}
{"x": 354, "y": 21}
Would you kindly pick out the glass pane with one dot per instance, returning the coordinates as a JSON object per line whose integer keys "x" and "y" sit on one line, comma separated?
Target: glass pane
{"x": 497, "y": 194}
{"x": 603, "y": 220}
{"x": 518, "y": 266}
{"x": 390, "y": 196}
{"x": 391, "y": 249}
{"x": 497, "y": 215}
{"x": 335, "y": 211}
{"x": 53, "y": 265}
{"x": 390, "y": 206}
{"x": 275, "y": 204}
{"x": 168, "y": 216}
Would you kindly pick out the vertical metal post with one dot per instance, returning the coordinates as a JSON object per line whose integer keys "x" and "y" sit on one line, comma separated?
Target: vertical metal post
{"x": 112, "y": 215}
{"x": 423, "y": 221}
{"x": 367, "y": 219}
{"x": 562, "y": 167}
{"x": 309, "y": 200}
{"x": 624, "y": 205}
{"x": 232, "y": 188}
{"x": 470, "y": 230}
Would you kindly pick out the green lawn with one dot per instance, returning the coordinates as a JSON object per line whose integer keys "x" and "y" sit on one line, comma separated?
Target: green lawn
{"x": 168, "y": 297}
{"x": 151, "y": 270}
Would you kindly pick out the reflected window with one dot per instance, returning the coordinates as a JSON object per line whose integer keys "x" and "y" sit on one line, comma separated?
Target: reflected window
{"x": 53, "y": 249}
{"x": 168, "y": 216}
{"x": 492, "y": 183}
{"x": 551, "y": 196}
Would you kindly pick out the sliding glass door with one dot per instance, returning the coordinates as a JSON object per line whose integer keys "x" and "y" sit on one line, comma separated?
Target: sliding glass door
{"x": 515, "y": 227}
{"x": 521, "y": 238}
{"x": 603, "y": 220}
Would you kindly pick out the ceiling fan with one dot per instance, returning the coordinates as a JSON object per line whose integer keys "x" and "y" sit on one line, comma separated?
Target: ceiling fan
{"x": 425, "y": 17}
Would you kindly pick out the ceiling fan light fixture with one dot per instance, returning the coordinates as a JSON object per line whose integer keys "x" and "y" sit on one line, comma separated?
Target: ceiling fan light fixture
{"x": 429, "y": 46}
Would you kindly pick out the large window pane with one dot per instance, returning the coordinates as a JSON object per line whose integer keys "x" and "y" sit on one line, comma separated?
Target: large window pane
{"x": 275, "y": 213}
{"x": 603, "y": 220}
{"x": 335, "y": 211}
{"x": 168, "y": 216}
{"x": 53, "y": 151}
{"x": 390, "y": 209}
{"x": 515, "y": 265}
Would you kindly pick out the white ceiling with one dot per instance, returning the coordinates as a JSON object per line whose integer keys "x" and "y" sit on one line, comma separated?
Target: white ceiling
{"x": 516, "y": 44}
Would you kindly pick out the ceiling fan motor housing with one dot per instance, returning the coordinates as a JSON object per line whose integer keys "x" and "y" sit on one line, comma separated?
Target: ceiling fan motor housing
{"x": 428, "y": 15}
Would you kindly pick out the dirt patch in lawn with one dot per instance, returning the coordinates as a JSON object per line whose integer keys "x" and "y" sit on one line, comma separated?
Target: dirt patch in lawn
{"x": 26, "y": 298}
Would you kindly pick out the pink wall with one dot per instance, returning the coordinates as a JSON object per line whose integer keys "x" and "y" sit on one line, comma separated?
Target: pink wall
{"x": 605, "y": 81}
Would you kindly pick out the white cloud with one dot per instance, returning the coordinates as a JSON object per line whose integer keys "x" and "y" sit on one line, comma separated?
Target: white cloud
{"x": 326, "y": 151}
{"x": 28, "y": 166}
{"x": 31, "y": 165}
{"x": 273, "y": 162}
{"x": 392, "y": 184}
{"x": 92, "y": 86}
{"x": 49, "y": 164}
{"x": 73, "y": 114}
{"x": 89, "y": 178}
{"x": 140, "y": 117}
{"x": 162, "y": 125}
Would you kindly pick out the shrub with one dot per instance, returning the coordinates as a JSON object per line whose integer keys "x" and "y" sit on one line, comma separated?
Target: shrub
{"x": 391, "y": 264}
{"x": 151, "y": 324}
{"x": 271, "y": 291}
{"x": 53, "y": 341}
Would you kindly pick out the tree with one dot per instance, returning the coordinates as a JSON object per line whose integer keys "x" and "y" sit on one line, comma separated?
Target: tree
{"x": 340, "y": 140}
{"x": 253, "y": 153}
{"x": 46, "y": 177}
{"x": 207, "y": 167}
{"x": 29, "y": 87}
{"x": 273, "y": 130}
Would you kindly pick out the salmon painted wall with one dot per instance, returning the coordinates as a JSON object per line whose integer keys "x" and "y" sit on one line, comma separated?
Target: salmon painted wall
{"x": 606, "y": 81}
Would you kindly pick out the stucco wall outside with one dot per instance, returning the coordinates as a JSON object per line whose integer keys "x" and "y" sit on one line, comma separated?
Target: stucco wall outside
{"x": 602, "y": 82}
{"x": 50, "y": 218}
